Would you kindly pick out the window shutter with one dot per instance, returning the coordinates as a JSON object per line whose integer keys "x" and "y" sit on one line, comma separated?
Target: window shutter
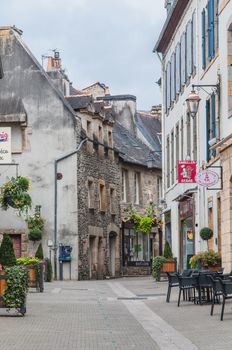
{"x": 207, "y": 129}
{"x": 165, "y": 92}
{"x": 210, "y": 29}
{"x": 173, "y": 82}
{"x": 203, "y": 39}
{"x": 213, "y": 120}
{"x": 178, "y": 68}
{"x": 183, "y": 60}
{"x": 194, "y": 39}
{"x": 189, "y": 48}
{"x": 168, "y": 86}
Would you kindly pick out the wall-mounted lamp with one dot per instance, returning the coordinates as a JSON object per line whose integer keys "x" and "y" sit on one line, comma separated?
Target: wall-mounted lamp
{"x": 193, "y": 99}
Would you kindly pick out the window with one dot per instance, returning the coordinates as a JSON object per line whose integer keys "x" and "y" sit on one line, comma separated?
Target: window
{"x": 168, "y": 85}
{"x": 182, "y": 139}
{"x": 189, "y": 57}
{"x": 172, "y": 157}
{"x": 103, "y": 198}
{"x": 211, "y": 124}
{"x": 195, "y": 139}
{"x": 100, "y": 134}
{"x": 178, "y": 69}
{"x": 135, "y": 247}
{"x": 124, "y": 181}
{"x": 194, "y": 47}
{"x": 168, "y": 163}
{"x": 183, "y": 59}
{"x": 110, "y": 139}
{"x": 136, "y": 188}
{"x": 113, "y": 201}
{"x": 209, "y": 31}
{"x": 173, "y": 78}
{"x": 159, "y": 189}
{"x": 91, "y": 196}
{"x": 188, "y": 122}
{"x": 177, "y": 148}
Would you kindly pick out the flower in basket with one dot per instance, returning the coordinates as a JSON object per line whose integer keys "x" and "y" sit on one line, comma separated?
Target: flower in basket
{"x": 14, "y": 194}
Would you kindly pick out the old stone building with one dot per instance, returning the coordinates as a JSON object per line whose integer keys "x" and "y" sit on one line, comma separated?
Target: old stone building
{"x": 43, "y": 129}
{"x": 98, "y": 191}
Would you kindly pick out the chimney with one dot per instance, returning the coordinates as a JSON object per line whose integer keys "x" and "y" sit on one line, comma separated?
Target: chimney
{"x": 54, "y": 63}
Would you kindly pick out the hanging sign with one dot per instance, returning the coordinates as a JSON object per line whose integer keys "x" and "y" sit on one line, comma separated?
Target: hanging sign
{"x": 207, "y": 178}
{"x": 186, "y": 172}
{"x": 5, "y": 145}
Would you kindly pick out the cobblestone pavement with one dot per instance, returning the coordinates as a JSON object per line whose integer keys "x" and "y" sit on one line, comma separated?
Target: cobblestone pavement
{"x": 119, "y": 314}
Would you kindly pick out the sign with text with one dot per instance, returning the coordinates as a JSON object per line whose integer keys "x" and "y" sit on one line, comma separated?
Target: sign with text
{"x": 5, "y": 145}
{"x": 186, "y": 172}
{"x": 207, "y": 178}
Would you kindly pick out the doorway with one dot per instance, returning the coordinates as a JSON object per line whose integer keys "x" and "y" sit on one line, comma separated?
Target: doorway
{"x": 112, "y": 253}
{"x": 187, "y": 239}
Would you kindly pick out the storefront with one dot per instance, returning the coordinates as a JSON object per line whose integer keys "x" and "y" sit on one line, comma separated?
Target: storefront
{"x": 137, "y": 250}
{"x": 187, "y": 232}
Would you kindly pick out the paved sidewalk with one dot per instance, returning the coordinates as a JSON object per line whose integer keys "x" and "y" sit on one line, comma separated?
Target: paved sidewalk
{"x": 119, "y": 314}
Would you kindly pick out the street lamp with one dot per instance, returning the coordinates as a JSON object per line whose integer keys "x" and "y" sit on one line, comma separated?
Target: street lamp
{"x": 193, "y": 101}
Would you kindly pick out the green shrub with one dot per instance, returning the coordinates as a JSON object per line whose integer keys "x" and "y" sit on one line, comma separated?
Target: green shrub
{"x": 206, "y": 233}
{"x": 49, "y": 270}
{"x": 167, "y": 251}
{"x": 35, "y": 234}
{"x": 39, "y": 252}
{"x": 205, "y": 259}
{"x": 17, "y": 287}
{"x": 27, "y": 261}
{"x": 7, "y": 255}
{"x": 157, "y": 263}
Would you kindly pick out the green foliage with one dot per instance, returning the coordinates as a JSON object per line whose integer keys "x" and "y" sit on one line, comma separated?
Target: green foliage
{"x": 49, "y": 270}
{"x": 142, "y": 223}
{"x": 14, "y": 194}
{"x": 17, "y": 287}
{"x": 35, "y": 221}
{"x": 7, "y": 255}
{"x": 157, "y": 263}
{"x": 167, "y": 251}
{"x": 27, "y": 261}
{"x": 39, "y": 252}
{"x": 35, "y": 234}
{"x": 205, "y": 259}
{"x": 206, "y": 233}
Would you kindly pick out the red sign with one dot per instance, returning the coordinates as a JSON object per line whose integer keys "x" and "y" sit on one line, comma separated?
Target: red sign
{"x": 187, "y": 172}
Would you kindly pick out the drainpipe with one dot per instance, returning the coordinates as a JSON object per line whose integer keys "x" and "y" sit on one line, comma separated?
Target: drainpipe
{"x": 67, "y": 155}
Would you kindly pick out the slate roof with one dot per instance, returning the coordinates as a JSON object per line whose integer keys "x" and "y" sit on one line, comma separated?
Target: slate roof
{"x": 150, "y": 127}
{"x": 79, "y": 101}
{"x": 74, "y": 91}
{"x": 131, "y": 149}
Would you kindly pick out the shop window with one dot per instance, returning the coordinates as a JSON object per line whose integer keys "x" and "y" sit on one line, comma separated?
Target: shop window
{"x": 136, "y": 246}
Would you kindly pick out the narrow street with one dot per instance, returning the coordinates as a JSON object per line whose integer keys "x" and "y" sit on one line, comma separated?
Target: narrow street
{"x": 116, "y": 314}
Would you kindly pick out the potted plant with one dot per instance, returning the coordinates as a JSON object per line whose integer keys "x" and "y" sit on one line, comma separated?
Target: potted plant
{"x": 209, "y": 260}
{"x": 35, "y": 271}
{"x": 14, "y": 194}
{"x": 157, "y": 263}
{"x": 169, "y": 263}
{"x": 7, "y": 259}
{"x": 35, "y": 224}
{"x": 206, "y": 233}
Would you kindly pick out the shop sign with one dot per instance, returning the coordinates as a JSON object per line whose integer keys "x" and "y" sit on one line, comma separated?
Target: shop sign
{"x": 186, "y": 172}
{"x": 207, "y": 178}
{"x": 5, "y": 145}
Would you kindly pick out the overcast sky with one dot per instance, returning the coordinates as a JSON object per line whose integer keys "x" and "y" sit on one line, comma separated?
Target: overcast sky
{"x": 110, "y": 41}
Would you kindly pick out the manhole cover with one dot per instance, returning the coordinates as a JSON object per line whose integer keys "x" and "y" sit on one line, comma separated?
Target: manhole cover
{"x": 150, "y": 295}
{"x": 131, "y": 298}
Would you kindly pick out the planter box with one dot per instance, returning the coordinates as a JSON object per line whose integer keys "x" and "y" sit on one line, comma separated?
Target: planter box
{"x": 2, "y": 286}
{"x": 33, "y": 282}
{"x": 215, "y": 268}
{"x": 169, "y": 265}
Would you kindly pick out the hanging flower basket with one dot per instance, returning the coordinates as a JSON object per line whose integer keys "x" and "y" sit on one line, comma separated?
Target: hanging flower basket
{"x": 14, "y": 194}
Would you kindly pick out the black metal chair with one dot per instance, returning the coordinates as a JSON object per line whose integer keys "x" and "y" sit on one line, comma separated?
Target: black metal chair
{"x": 226, "y": 293}
{"x": 186, "y": 285}
{"x": 172, "y": 282}
{"x": 204, "y": 287}
{"x": 217, "y": 291}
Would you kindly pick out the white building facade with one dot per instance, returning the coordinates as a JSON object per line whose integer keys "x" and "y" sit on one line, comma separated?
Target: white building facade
{"x": 197, "y": 53}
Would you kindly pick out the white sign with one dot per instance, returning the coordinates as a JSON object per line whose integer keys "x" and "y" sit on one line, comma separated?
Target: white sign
{"x": 5, "y": 145}
{"x": 207, "y": 178}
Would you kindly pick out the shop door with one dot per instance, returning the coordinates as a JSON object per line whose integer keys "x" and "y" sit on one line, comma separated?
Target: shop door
{"x": 188, "y": 242}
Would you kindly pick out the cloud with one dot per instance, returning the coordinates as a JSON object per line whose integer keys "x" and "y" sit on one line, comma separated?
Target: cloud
{"x": 100, "y": 40}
